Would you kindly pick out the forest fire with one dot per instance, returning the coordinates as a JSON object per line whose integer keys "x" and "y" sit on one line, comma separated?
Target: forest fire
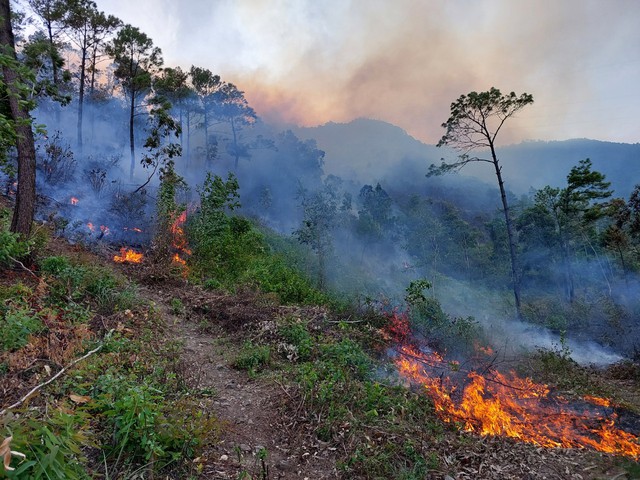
{"x": 128, "y": 256}
{"x": 180, "y": 243}
{"x": 493, "y": 403}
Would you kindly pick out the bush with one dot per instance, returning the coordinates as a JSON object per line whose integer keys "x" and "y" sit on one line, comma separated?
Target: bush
{"x": 272, "y": 275}
{"x": 95, "y": 283}
{"x": 253, "y": 358}
{"x": 19, "y": 322}
{"x": 53, "y": 445}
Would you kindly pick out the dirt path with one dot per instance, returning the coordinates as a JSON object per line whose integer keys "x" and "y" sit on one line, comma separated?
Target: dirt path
{"x": 256, "y": 439}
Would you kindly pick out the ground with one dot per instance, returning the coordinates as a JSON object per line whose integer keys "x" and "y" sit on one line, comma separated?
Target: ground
{"x": 266, "y": 430}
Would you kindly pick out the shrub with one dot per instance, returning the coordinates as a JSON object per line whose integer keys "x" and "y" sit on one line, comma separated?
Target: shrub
{"x": 19, "y": 323}
{"x": 253, "y": 358}
{"x": 53, "y": 445}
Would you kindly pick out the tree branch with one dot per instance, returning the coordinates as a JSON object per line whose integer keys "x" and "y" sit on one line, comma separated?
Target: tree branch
{"x": 38, "y": 387}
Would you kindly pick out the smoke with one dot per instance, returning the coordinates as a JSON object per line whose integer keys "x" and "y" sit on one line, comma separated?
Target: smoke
{"x": 309, "y": 63}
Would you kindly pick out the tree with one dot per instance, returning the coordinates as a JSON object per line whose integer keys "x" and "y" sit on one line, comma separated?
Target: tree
{"x": 172, "y": 85}
{"x": 564, "y": 217}
{"x": 86, "y": 27}
{"x": 19, "y": 123}
{"x": 206, "y": 84}
{"x": 160, "y": 151}
{"x": 136, "y": 61}
{"x": 52, "y": 13}
{"x": 319, "y": 213}
{"x": 374, "y": 216}
{"x": 234, "y": 110}
{"x": 475, "y": 121}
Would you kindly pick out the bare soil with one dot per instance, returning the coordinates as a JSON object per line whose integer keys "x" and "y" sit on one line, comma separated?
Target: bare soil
{"x": 256, "y": 438}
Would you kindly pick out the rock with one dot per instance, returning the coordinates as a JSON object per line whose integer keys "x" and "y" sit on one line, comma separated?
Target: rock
{"x": 244, "y": 447}
{"x": 224, "y": 458}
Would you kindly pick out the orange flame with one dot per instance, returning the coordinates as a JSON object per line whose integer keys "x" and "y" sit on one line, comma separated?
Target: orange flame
{"x": 74, "y": 201}
{"x": 179, "y": 237}
{"x": 91, "y": 227}
{"x": 129, "y": 256}
{"x": 180, "y": 243}
{"x": 497, "y": 404}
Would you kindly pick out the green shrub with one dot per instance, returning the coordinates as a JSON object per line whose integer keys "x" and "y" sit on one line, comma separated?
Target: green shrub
{"x": 12, "y": 247}
{"x": 296, "y": 334}
{"x": 18, "y": 324}
{"x": 53, "y": 445}
{"x": 253, "y": 358}
{"x": 79, "y": 282}
{"x": 272, "y": 275}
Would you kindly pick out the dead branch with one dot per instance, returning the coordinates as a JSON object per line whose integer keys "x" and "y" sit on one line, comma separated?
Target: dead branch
{"x": 44, "y": 384}
{"x": 21, "y": 264}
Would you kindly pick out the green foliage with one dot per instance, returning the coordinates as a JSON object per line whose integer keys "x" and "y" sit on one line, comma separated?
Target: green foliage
{"x": 222, "y": 245}
{"x": 11, "y": 246}
{"x": 177, "y": 307}
{"x": 18, "y": 322}
{"x": 253, "y": 358}
{"x": 167, "y": 214}
{"x": 272, "y": 274}
{"x": 352, "y": 410}
{"x": 297, "y": 335}
{"x": 427, "y": 318}
{"x": 320, "y": 209}
{"x": 78, "y": 282}
{"x": 54, "y": 445}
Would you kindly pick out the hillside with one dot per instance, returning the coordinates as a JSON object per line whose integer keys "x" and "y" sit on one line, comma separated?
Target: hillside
{"x": 372, "y": 151}
{"x": 189, "y": 382}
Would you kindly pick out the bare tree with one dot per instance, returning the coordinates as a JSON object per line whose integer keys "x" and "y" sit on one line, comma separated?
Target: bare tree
{"x": 475, "y": 121}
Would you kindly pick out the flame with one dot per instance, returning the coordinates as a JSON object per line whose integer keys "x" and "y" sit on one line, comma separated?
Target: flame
{"x": 132, "y": 229}
{"x": 104, "y": 230}
{"x": 128, "y": 255}
{"x": 180, "y": 243}
{"x": 179, "y": 237}
{"x": 91, "y": 227}
{"x": 177, "y": 259}
{"x": 73, "y": 201}
{"x": 508, "y": 405}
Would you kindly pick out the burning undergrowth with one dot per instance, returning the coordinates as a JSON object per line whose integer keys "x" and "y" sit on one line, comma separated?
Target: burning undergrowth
{"x": 480, "y": 398}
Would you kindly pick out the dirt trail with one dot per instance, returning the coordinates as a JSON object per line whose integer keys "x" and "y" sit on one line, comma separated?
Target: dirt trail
{"x": 253, "y": 411}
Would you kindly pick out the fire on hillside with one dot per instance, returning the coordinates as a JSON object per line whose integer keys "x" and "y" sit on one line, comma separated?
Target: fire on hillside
{"x": 488, "y": 402}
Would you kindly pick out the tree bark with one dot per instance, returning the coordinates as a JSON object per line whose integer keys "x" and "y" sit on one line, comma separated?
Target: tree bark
{"x": 515, "y": 279}
{"x": 83, "y": 63}
{"x": 26, "y": 194}
{"x": 131, "y": 136}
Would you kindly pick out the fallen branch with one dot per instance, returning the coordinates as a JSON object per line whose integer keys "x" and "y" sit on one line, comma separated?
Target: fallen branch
{"x": 44, "y": 384}
{"x": 21, "y": 264}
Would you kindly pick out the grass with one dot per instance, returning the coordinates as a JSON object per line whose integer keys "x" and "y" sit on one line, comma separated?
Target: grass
{"x": 124, "y": 408}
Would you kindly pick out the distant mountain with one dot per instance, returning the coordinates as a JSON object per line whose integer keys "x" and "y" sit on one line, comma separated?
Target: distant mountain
{"x": 536, "y": 164}
{"x": 370, "y": 151}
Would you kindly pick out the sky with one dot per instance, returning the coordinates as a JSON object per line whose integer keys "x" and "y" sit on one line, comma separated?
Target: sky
{"x": 308, "y": 62}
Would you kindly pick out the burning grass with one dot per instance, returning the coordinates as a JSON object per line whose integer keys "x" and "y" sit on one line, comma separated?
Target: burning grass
{"x": 128, "y": 255}
{"x": 497, "y": 404}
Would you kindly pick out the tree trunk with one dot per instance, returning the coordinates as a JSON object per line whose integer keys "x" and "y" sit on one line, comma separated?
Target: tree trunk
{"x": 54, "y": 67}
{"x": 515, "y": 279}
{"x": 235, "y": 145}
{"x": 83, "y": 62}
{"x": 206, "y": 137}
{"x": 131, "y": 136}
{"x": 26, "y": 194}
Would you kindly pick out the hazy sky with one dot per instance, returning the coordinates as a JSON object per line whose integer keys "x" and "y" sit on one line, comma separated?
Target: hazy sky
{"x": 404, "y": 61}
